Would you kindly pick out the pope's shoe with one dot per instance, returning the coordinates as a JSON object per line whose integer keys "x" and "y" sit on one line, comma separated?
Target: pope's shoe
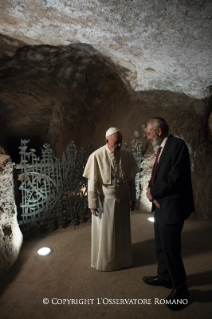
{"x": 155, "y": 281}
{"x": 178, "y": 298}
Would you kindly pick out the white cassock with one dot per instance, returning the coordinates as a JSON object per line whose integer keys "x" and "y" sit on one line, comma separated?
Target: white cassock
{"x": 111, "y": 187}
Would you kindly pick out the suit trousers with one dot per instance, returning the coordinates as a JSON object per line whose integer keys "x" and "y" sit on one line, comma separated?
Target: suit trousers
{"x": 168, "y": 251}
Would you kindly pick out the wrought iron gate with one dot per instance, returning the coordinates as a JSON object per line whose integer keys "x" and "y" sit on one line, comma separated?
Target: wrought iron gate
{"x": 54, "y": 193}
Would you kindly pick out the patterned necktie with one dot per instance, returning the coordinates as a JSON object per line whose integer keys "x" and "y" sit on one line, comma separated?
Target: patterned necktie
{"x": 155, "y": 166}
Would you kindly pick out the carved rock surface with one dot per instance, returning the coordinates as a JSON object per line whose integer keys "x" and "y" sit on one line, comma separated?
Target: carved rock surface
{"x": 10, "y": 234}
{"x": 165, "y": 45}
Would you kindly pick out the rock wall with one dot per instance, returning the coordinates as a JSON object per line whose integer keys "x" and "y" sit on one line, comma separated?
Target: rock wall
{"x": 10, "y": 234}
{"x": 165, "y": 45}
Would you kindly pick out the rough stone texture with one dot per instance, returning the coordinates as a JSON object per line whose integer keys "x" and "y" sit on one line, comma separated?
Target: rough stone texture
{"x": 54, "y": 94}
{"x": 10, "y": 234}
{"x": 165, "y": 45}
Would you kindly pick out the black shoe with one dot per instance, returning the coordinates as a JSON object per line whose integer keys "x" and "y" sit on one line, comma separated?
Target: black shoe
{"x": 155, "y": 281}
{"x": 178, "y": 298}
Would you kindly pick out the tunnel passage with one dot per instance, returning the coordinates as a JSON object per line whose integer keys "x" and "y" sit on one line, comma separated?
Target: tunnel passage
{"x": 14, "y": 142}
{"x": 56, "y": 94}
{"x": 53, "y": 93}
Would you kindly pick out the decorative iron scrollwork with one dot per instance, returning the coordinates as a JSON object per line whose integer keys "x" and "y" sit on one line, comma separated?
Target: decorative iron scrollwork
{"x": 54, "y": 193}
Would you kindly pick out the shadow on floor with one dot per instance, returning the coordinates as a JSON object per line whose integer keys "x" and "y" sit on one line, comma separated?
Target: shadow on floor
{"x": 196, "y": 295}
{"x": 193, "y": 244}
{"x": 200, "y": 279}
{"x": 10, "y": 275}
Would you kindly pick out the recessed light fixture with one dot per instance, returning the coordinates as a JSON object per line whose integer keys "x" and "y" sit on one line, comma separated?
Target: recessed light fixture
{"x": 151, "y": 219}
{"x": 44, "y": 251}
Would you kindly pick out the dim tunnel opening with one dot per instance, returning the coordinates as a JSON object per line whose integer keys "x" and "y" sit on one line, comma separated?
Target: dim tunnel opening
{"x": 14, "y": 144}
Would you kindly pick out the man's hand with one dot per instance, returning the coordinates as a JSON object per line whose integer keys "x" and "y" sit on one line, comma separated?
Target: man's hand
{"x": 148, "y": 194}
{"x": 156, "y": 203}
{"x": 94, "y": 211}
{"x": 133, "y": 203}
{"x": 151, "y": 199}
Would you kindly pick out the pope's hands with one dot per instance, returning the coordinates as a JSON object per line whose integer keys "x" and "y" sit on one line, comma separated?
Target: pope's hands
{"x": 94, "y": 211}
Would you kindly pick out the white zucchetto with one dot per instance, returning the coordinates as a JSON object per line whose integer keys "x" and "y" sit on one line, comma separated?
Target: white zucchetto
{"x": 111, "y": 131}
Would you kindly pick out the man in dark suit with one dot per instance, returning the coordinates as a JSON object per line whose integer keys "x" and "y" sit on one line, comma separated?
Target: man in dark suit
{"x": 170, "y": 191}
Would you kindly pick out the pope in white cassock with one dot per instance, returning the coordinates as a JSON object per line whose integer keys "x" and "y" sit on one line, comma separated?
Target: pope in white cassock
{"x": 111, "y": 174}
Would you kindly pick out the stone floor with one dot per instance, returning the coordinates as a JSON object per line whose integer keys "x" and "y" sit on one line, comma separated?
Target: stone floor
{"x": 66, "y": 274}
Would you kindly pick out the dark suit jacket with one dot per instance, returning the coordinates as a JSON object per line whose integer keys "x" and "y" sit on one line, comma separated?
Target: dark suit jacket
{"x": 172, "y": 187}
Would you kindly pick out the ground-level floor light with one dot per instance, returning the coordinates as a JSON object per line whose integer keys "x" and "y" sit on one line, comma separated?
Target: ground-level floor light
{"x": 151, "y": 219}
{"x": 44, "y": 251}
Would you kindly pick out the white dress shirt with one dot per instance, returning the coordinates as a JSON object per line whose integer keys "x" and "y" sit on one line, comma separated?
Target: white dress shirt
{"x": 162, "y": 145}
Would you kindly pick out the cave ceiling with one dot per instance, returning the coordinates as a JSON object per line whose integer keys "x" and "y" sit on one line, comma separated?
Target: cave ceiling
{"x": 164, "y": 45}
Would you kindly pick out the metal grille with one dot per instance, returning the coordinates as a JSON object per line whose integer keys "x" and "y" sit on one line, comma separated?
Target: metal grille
{"x": 54, "y": 193}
